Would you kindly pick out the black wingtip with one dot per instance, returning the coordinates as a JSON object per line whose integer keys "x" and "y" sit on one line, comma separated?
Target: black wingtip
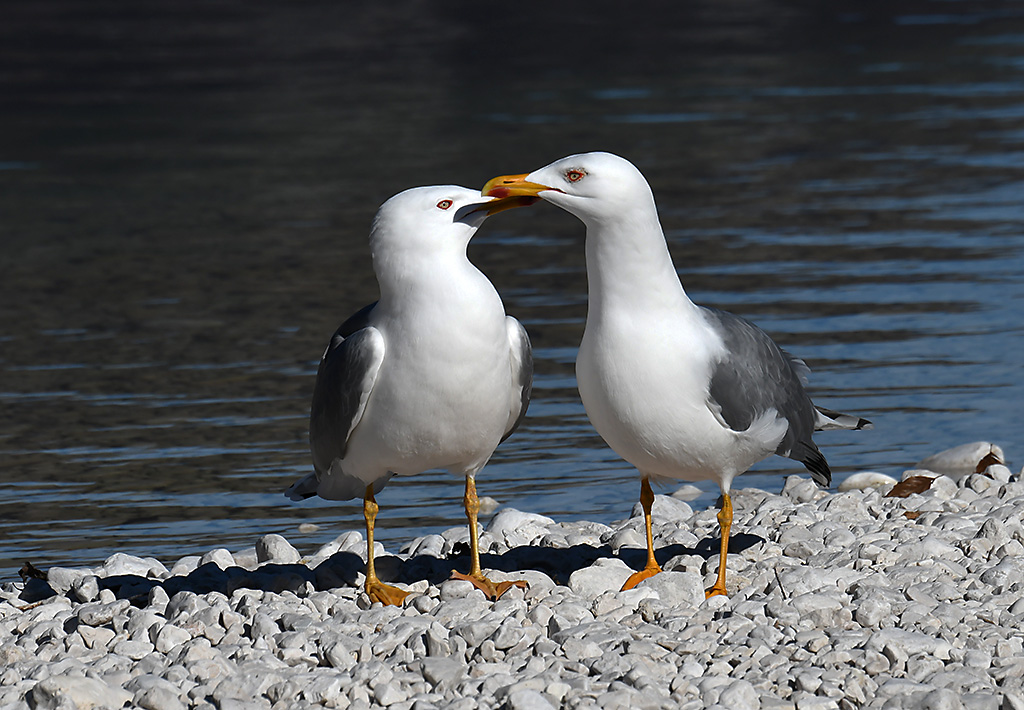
{"x": 814, "y": 461}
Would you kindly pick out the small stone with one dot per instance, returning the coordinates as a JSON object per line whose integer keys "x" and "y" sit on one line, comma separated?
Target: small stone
{"x": 158, "y": 598}
{"x": 135, "y": 650}
{"x": 96, "y": 637}
{"x": 740, "y": 695}
{"x": 63, "y": 579}
{"x": 664, "y": 509}
{"x": 964, "y": 459}
{"x": 1008, "y": 571}
{"x": 509, "y": 633}
{"x": 676, "y": 589}
{"x": 340, "y": 656}
{"x": 943, "y": 488}
{"x": 823, "y": 610}
{"x": 443, "y": 671}
{"x": 220, "y": 557}
{"x": 516, "y": 528}
{"x": 908, "y": 643}
{"x": 387, "y": 694}
{"x": 66, "y": 691}
{"x": 871, "y": 612}
{"x": 801, "y": 490}
{"x": 86, "y": 589}
{"x": 325, "y": 690}
{"x": 998, "y": 472}
{"x": 527, "y": 700}
{"x": 866, "y": 480}
{"x": 488, "y": 505}
{"x": 121, "y": 564}
{"x": 941, "y": 699}
{"x": 159, "y": 698}
{"x": 456, "y": 589}
{"x": 185, "y": 566}
{"x": 277, "y": 550}
{"x": 687, "y": 492}
{"x": 308, "y": 528}
{"x": 477, "y": 630}
{"x": 605, "y": 575}
{"x": 169, "y": 637}
{"x": 100, "y": 614}
{"x": 246, "y": 559}
{"x": 182, "y": 604}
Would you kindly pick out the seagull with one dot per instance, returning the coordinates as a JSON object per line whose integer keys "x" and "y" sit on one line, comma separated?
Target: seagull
{"x": 433, "y": 375}
{"x": 678, "y": 390}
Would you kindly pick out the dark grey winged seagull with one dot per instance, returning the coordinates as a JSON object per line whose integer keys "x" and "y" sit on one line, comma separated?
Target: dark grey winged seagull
{"x": 433, "y": 375}
{"x": 678, "y": 390}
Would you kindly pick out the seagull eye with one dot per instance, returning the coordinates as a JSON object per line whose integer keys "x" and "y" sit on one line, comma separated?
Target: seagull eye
{"x": 444, "y": 204}
{"x": 575, "y": 175}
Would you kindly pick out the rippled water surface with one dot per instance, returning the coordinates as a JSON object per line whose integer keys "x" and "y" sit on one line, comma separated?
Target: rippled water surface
{"x": 186, "y": 189}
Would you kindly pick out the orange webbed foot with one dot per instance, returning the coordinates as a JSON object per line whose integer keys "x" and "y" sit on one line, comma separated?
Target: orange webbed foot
{"x": 637, "y": 577}
{"x": 492, "y": 590}
{"x": 386, "y": 594}
{"x": 716, "y": 591}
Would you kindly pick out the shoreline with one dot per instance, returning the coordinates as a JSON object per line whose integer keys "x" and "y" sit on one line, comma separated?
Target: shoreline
{"x": 837, "y": 600}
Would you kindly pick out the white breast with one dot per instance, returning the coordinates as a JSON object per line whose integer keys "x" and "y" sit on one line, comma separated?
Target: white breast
{"x": 440, "y": 400}
{"x": 644, "y": 384}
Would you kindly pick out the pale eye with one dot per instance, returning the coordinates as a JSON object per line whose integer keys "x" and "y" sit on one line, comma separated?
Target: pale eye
{"x": 444, "y": 204}
{"x": 575, "y": 175}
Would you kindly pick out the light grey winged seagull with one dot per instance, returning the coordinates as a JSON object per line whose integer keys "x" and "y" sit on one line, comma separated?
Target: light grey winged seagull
{"x": 678, "y": 390}
{"x": 433, "y": 375}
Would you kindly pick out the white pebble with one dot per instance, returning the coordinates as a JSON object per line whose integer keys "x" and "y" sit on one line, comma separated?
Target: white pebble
{"x": 277, "y": 550}
{"x": 59, "y": 692}
{"x": 528, "y": 700}
{"x": 220, "y": 557}
{"x": 865, "y": 480}
{"x": 964, "y": 459}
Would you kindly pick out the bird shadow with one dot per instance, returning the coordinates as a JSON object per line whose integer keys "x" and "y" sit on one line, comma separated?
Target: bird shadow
{"x": 560, "y": 562}
{"x": 344, "y": 569}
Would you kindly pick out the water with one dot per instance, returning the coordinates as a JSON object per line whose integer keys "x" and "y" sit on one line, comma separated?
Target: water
{"x": 186, "y": 188}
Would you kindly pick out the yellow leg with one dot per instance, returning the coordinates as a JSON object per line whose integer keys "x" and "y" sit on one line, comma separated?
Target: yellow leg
{"x": 489, "y": 588}
{"x": 652, "y": 568}
{"x": 725, "y": 523}
{"x": 377, "y": 590}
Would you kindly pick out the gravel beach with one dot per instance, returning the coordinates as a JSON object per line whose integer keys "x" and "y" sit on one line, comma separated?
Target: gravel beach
{"x": 836, "y": 600}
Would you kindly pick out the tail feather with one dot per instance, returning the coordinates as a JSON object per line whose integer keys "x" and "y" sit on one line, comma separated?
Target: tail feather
{"x": 827, "y": 419}
{"x": 304, "y": 488}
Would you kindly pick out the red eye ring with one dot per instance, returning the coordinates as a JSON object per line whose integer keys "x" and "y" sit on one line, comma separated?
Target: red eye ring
{"x": 574, "y": 175}
{"x": 444, "y": 204}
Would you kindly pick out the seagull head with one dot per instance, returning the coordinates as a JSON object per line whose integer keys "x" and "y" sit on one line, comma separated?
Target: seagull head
{"x": 595, "y": 187}
{"x": 437, "y": 216}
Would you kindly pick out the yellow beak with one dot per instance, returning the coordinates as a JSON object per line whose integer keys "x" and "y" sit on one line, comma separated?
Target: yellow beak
{"x": 506, "y": 203}
{"x": 513, "y": 186}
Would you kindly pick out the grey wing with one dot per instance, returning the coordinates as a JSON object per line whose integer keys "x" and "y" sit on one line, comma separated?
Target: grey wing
{"x": 344, "y": 382}
{"x": 756, "y": 375}
{"x": 522, "y": 373}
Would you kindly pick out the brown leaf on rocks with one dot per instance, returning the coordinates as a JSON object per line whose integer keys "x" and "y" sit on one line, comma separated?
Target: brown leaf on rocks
{"x": 914, "y": 484}
{"x": 986, "y": 461}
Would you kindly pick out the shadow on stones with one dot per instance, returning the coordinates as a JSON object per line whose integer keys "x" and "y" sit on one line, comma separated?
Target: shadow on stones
{"x": 344, "y": 569}
{"x": 340, "y": 570}
{"x": 738, "y": 542}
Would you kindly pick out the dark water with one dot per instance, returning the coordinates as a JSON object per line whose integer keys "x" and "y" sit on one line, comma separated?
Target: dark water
{"x": 186, "y": 189}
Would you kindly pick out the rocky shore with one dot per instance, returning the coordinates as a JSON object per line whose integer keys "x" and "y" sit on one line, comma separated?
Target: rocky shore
{"x": 853, "y": 599}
